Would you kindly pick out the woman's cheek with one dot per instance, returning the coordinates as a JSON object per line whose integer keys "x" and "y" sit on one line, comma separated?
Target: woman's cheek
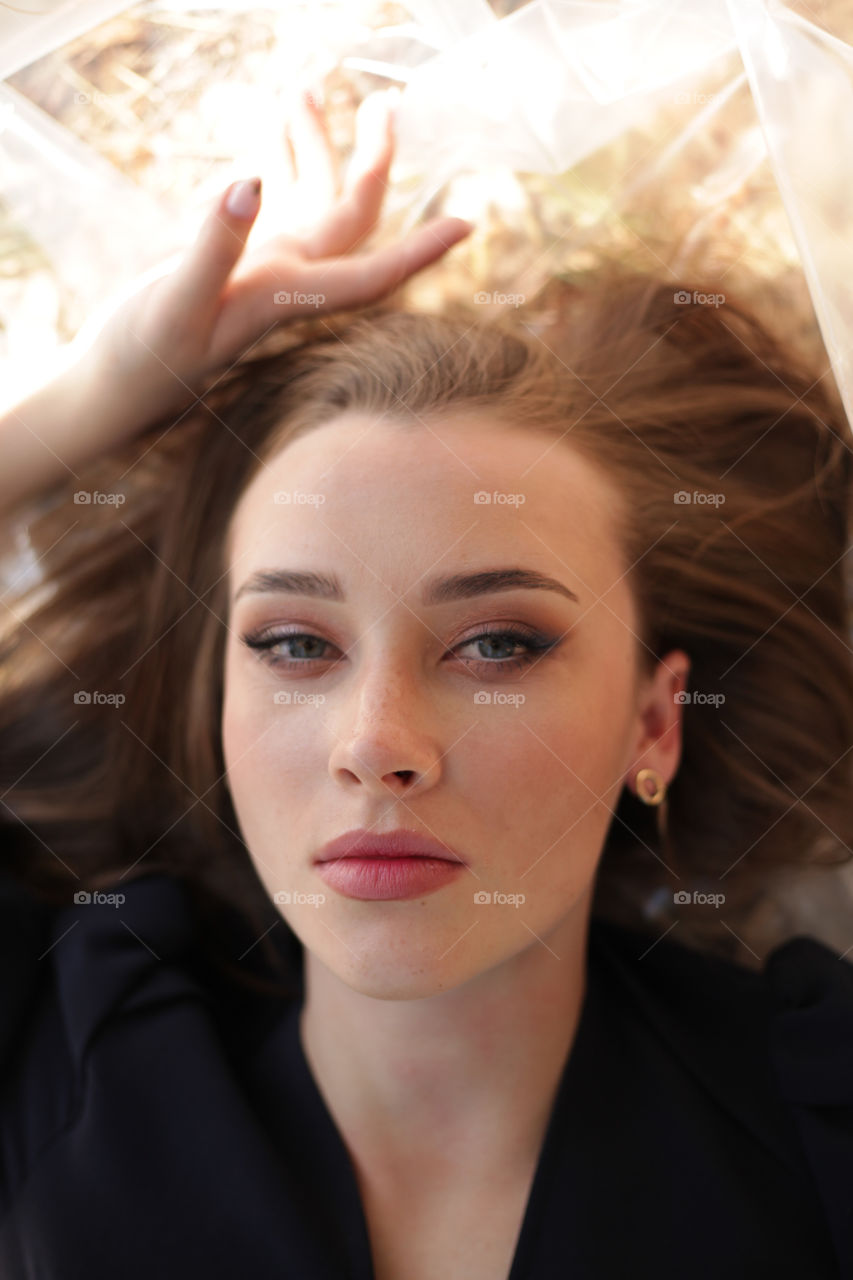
{"x": 268, "y": 775}
{"x": 582, "y": 741}
{"x": 257, "y": 750}
{"x": 275, "y": 743}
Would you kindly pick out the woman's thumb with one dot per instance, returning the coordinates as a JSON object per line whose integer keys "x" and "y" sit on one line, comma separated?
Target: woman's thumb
{"x": 219, "y": 244}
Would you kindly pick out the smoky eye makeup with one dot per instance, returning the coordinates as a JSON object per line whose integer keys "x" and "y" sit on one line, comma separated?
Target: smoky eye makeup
{"x": 490, "y": 649}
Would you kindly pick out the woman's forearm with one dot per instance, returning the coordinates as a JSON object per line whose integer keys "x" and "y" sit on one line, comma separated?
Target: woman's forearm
{"x": 81, "y": 413}
{"x": 45, "y": 437}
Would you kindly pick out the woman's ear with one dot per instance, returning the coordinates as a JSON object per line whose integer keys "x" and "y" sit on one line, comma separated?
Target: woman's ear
{"x": 657, "y": 742}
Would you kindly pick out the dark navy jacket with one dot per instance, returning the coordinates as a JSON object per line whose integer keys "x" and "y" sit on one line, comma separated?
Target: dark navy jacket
{"x": 158, "y": 1126}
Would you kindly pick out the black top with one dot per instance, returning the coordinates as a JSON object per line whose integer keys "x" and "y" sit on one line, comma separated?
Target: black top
{"x": 151, "y": 1126}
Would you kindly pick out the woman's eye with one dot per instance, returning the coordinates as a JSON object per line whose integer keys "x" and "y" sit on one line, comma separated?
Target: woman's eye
{"x": 500, "y": 647}
{"x": 494, "y": 649}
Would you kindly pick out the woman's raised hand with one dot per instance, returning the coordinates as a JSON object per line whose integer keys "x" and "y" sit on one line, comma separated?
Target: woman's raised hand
{"x": 203, "y": 313}
{"x": 150, "y": 354}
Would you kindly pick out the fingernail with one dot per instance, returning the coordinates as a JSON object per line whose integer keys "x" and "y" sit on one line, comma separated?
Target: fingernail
{"x": 243, "y": 198}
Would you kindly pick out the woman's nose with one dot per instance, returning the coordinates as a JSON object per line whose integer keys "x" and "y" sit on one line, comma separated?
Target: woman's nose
{"x": 385, "y": 732}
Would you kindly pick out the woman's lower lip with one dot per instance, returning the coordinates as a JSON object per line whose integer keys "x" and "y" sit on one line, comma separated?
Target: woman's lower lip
{"x": 383, "y": 878}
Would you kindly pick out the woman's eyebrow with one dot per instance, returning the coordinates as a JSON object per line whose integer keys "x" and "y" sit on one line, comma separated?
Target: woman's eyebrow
{"x": 438, "y": 590}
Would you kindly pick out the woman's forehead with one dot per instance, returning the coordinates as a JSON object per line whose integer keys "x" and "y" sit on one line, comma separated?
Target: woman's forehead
{"x": 385, "y": 528}
{"x": 457, "y": 471}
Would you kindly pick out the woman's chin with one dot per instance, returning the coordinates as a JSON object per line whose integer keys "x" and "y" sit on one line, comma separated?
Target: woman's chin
{"x": 400, "y": 969}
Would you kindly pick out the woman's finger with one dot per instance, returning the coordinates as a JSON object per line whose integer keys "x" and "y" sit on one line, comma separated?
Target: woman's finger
{"x": 355, "y": 215}
{"x": 263, "y": 298}
{"x": 203, "y": 272}
{"x": 367, "y": 277}
{"x": 289, "y": 154}
{"x": 316, "y": 160}
{"x": 349, "y": 223}
{"x": 374, "y": 138}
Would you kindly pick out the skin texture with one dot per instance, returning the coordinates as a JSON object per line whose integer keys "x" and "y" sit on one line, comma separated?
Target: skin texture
{"x": 427, "y": 1018}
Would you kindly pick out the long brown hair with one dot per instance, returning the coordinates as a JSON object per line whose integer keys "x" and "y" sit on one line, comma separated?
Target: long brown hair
{"x": 672, "y": 392}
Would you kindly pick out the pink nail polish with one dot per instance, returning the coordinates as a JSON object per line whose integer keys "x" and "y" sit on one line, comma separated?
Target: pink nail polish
{"x": 242, "y": 199}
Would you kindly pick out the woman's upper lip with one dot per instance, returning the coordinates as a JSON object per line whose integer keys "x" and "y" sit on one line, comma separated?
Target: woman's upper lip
{"x": 393, "y": 844}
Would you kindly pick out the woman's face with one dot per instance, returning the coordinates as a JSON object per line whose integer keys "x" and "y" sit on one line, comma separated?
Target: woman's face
{"x": 516, "y": 765}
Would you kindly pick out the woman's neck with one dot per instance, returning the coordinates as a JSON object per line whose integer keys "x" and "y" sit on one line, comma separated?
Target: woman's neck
{"x": 468, "y": 1074}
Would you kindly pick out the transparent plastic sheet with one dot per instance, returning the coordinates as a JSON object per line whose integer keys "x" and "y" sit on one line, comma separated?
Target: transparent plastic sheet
{"x": 34, "y": 27}
{"x": 802, "y": 86}
{"x": 554, "y": 82}
{"x": 69, "y": 198}
{"x": 628, "y": 99}
{"x": 710, "y": 139}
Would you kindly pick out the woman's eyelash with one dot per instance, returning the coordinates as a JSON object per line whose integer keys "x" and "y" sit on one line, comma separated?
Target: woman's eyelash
{"x": 535, "y": 643}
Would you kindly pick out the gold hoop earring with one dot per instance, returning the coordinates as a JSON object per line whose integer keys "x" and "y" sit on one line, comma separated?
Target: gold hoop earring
{"x": 643, "y": 776}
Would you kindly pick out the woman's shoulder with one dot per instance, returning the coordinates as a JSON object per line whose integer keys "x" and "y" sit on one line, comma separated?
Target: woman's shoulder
{"x": 117, "y": 951}
{"x": 67, "y": 969}
{"x": 800, "y": 976}
{"x": 131, "y": 947}
{"x": 810, "y": 989}
{"x": 89, "y": 950}
{"x": 797, "y": 1002}
{"x": 24, "y": 933}
{"x": 122, "y": 1086}
{"x": 773, "y": 1044}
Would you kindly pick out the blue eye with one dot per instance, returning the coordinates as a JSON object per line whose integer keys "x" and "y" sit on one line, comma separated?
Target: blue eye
{"x": 533, "y": 642}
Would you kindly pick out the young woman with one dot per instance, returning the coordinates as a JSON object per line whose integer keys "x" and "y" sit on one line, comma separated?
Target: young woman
{"x": 366, "y": 714}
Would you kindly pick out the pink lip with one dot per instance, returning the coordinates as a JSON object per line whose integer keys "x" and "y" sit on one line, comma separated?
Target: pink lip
{"x": 384, "y": 877}
{"x": 399, "y": 864}
{"x": 361, "y": 843}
